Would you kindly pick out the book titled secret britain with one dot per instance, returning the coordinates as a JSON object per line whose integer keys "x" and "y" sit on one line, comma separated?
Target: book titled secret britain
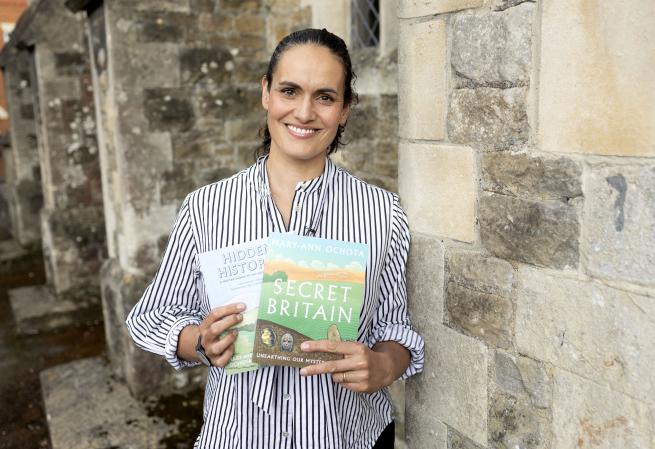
{"x": 312, "y": 289}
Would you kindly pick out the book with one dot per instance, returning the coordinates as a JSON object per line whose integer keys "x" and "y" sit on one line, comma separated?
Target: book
{"x": 312, "y": 289}
{"x": 234, "y": 274}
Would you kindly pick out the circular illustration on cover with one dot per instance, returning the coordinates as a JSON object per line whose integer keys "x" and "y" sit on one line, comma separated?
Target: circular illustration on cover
{"x": 286, "y": 343}
{"x": 268, "y": 336}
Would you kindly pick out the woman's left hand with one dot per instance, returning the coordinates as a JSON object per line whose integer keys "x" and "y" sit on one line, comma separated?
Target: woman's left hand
{"x": 362, "y": 369}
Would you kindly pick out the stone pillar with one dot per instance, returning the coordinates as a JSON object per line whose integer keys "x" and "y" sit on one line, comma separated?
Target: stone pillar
{"x": 72, "y": 218}
{"x": 527, "y": 176}
{"x": 178, "y": 104}
{"x": 21, "y": 158}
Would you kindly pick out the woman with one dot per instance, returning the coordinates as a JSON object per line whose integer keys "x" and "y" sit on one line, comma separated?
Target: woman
{"x": 307, "y": 93}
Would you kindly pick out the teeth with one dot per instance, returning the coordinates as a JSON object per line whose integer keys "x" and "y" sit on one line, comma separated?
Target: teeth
{"x": 301, "y": 131}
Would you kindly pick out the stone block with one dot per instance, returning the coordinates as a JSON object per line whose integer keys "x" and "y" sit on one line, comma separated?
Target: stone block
{"x": 529, "y": 176}
{"x": 494, "y": 49}
{"x": 596, "y": 89}
{"x": 489, "y": 118}
{"x": 452, "y": 388}
{"x": 88, "y": 409}
{"x": 619, "y": 219}
{"x": 148, "y": 64}
{"x": 514, "y": 422}
{"x": 36, "y": 309}
{"x": 485, "y": 316}
{"x": 162, "y": 26}
{"x": 477, "y": 271}
{"x": 587, "y": 414}
{"x": 540, "y": 233}
{"x": 438, "y": 188}
{"x": 168, "y": 109}
{"x": 523, "y": 377}
{"x": 205, "y": 64}
{"x": 420, "y": 8}
{"x": 71, "y": 63}
{"x": 598, "y": 332}
{"x": 422, "y": 79}
{"x": 458, "y": 441}
{"x": 425, "y": 280}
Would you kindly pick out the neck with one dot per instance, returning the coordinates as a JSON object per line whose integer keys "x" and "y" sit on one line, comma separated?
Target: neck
{"x": 284, "y": 174}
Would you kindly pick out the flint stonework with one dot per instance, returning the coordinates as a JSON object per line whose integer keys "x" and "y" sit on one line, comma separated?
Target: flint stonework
{"x": 493, "y": 49}
{"x": 489, "y": 118}
{"x": 544, "y": 233}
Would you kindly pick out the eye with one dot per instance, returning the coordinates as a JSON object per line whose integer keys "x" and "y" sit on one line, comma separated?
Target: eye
{"x": 288, "y": 91}
{"x": 325, "y": 98}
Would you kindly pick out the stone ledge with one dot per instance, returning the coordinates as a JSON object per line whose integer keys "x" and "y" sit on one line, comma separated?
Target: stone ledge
{"x": 87, "y": 409}
{"x": 418, "y": 8}
{"x": 37, "y": 310}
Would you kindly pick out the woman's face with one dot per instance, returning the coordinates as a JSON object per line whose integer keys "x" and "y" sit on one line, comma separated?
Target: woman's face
{"x": 305, "y": 103}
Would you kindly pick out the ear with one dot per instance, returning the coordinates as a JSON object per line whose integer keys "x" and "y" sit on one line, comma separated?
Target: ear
{"x": 344, "y": 114}
{"x": 265, "y": 92}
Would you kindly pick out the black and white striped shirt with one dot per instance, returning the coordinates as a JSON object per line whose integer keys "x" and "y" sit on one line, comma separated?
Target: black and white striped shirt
{"x": 274, "y": 407}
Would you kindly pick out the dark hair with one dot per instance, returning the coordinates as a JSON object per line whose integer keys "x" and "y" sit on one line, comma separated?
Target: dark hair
{"x": 338, "y": 47}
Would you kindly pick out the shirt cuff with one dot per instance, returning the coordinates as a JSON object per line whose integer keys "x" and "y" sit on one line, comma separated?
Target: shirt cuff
{"x": 170, "y": 350}
{"x": 408, "y": 338}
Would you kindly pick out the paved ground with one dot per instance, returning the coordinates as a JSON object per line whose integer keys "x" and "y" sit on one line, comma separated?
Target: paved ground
{"x": 22, "y": 418}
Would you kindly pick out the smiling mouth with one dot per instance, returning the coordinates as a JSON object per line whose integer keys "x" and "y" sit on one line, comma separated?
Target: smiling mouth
{"x": 301, "y": 132}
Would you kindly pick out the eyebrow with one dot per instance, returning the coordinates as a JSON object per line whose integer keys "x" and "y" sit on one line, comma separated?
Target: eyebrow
{"x": 323, "y": 90}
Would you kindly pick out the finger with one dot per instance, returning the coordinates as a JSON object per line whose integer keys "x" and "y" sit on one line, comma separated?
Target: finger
{"x": 350, "y": 377}
{"x": 219, "y": 347}
{"x": 347, "y": 348}
{"x": 220, "y": 326}
{"x": 224, "y": 358}
{"x": 333, "y": 366}
{"x": 223, "y": 311}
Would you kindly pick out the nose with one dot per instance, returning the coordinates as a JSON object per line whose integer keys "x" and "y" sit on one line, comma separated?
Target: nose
{"x": 304, "y": 111}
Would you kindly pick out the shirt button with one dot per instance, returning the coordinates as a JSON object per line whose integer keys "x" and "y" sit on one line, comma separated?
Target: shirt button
{"x": 285, "y": 434}
{"x": 286, "y": 397}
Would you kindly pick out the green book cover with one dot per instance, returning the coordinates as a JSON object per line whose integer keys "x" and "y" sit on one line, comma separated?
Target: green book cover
{"x": 312, "y": 289}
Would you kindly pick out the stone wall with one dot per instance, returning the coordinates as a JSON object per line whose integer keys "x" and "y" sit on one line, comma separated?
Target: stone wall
{"x": 21, "y": 159}
{"x": 526, "y": 168}
{"x": 72, "y": 219}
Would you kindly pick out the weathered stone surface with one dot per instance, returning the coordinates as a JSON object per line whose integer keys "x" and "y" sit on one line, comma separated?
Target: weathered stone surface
{"x": 529, "y": 176}
{"x": 455, "y": 373}
{"x": 482, "y": 315}
{"x": 458, "y": 441}
{"x": 619, "y": 220}
{"x": 489, "y": 118}
{"x": 514, "y": 422}
{"x": 494, "y": 49}
{"x": 601, "y": 333}
{"x": 425, "y": 282}
{"x": 502, "y": 5}
{"x": 477, "y": 271}
{"x": 87, "y": 409}
{"x": 422, "y": 91}
{"x": 597, "y": 92}
{"x": 521, "y": 376}
{"x": 437, "y": 185}
{"x": 36, "y": 309}
{"x": 587, "y": 414}
{"x": 540, "y": 233}
{"x": 168, "y": 109}
{"x": 419, "y": 8}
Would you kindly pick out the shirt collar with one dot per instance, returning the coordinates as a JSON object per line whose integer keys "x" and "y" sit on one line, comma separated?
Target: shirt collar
{"x": 260, "y": 178}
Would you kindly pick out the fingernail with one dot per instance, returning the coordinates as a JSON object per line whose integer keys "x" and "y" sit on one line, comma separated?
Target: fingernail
{"x": 235, "y": 331}
{"x": 239, "y": 317}
{"x": 241, "y": 307}
{"x": 304, "y": 347}
{"x": 303, "y": 372}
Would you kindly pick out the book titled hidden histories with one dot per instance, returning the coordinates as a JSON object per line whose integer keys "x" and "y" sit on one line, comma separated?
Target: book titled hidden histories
{"x": 312, "y": 289}
{"x": 231, "y": 275}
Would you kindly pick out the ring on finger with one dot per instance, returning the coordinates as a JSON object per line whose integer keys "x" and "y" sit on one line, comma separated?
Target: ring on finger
{"x": 343, "y": 379}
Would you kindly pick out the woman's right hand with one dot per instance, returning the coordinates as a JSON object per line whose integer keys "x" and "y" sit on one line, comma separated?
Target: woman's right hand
{"x": 216, "y": 337}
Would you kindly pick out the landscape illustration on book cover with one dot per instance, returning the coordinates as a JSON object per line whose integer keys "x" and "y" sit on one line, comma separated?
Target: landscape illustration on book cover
{"x": 312, "y": 289}
{"x": 234, "y": 274}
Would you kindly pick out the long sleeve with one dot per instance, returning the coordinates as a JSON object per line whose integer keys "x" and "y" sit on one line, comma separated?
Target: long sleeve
{"x": 391, "y": 322}
{"x": 170, "y": 302}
